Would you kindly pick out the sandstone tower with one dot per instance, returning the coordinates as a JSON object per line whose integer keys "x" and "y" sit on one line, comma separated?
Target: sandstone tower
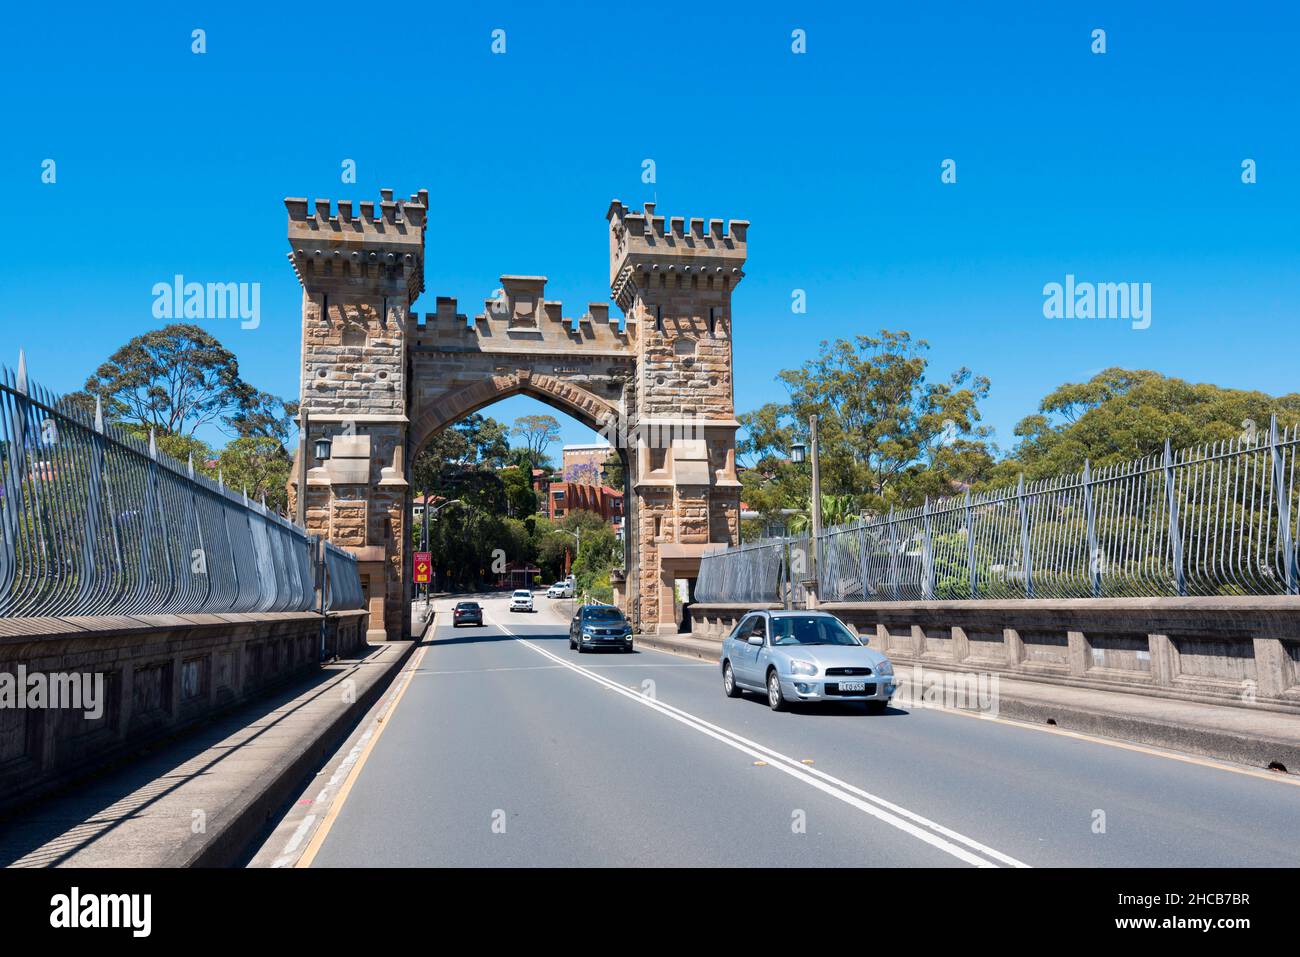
{"x": 359, "y": 276}
{"x": 675, "y": 283}
{"x": 379, "y": 382}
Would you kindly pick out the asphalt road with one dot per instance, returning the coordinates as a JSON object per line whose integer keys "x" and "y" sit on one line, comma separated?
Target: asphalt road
{"x": 506, "y": 748}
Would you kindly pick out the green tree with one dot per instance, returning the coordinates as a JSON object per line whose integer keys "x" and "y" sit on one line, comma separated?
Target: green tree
{"x": 887, "y": 435}
{"x": 1122, "y": 414}
{"x": 521, "y": 500}
{"x": 836, "y": 510}
{"x": 613, "y": 470}
{"x": 263, "y": 415}
{"x": 538, "y": 433}
{"x": 474, "y": 444}
{"x": 260, "y": 465}
{"x": 172, "y": 380}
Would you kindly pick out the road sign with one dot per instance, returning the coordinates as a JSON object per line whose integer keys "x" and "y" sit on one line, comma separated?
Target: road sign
{"x": 423, "y": 568}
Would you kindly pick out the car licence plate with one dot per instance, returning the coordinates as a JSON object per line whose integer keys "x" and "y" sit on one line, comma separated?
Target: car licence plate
{"x": 853, "y": 686}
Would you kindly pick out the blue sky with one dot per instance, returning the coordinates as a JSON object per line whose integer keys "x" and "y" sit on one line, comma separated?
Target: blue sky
{"x": 1117, "y": 167}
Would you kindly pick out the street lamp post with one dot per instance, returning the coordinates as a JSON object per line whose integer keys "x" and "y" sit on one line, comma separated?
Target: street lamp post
{"x": 797, "y": 450}
{"x": 424, "y": 537}
{"x": 816, "y": 493}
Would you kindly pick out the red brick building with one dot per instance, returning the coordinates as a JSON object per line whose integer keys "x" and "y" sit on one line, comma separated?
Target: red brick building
{"x": 564, "y": 497}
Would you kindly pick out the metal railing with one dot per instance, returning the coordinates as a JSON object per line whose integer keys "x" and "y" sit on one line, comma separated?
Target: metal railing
{"x": 1220, "y": 519}
{"x": 771, "y": 569}
{"x": 342, "y": 583}
{"x": 95, "y": 522}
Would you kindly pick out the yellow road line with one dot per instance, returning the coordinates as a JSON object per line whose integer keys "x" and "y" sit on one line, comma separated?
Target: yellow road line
{"x": 340, "y": 799}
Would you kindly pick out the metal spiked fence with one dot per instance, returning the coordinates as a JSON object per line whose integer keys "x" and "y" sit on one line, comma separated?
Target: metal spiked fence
{"x": 1218, "y": 519}
{"x": 94, "y": 521}
{"x": 342, "y": 583}
{"x": 769, "y": 570}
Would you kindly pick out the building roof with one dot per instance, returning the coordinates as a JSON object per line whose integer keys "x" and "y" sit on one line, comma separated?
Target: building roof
{"x": 589, "y": 447}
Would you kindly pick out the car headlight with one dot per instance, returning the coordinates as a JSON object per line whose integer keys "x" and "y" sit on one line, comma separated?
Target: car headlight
{"x": 802, "y": 668}
{"x": 886, "y": 667}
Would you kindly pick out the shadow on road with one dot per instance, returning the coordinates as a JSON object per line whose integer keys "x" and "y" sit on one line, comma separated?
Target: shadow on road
{"x": 849, "y": 709}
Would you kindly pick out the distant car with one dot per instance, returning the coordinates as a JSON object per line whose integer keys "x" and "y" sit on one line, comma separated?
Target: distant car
{"x": 560, "y": 590}
{"x": 466, "y": 613}
{"x": 599, "y": 626}
{"x": 796, "y": 656}
{"x": 521, "y": 600}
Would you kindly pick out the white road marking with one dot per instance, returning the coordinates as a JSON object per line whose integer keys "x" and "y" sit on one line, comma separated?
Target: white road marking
{"x": 483, "y": 671}
{"x": 923, "y": 829}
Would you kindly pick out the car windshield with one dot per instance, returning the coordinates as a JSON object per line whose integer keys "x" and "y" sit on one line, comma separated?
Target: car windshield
{"x": 471, "y": 605}
{"x": 523, "y": 594}
{"x": 604, "y": 614}
{"x": 811, "y": 630}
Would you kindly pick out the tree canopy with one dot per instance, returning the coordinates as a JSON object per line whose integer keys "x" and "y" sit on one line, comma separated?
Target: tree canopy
{"x": 887, "y": 434}
{"x": 1122, "y": 414}
{"x": 179, "y": 379}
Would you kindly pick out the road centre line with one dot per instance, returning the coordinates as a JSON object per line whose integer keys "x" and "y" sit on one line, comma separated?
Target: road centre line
{"x": 923, "y": 829}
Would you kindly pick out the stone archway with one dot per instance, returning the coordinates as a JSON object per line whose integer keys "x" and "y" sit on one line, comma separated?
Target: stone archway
{"x": 380, "y": 381}
{"x": 441, "y": 410}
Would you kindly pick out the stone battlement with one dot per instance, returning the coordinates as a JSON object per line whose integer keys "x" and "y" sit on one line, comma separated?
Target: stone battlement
{"x": 646, "y": 242}
{"x": 344, "y": 247}
{"x": 520, "y": 316}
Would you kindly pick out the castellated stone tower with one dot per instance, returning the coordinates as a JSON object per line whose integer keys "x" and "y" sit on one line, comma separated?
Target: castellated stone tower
{"x": 674, "y": 282}
{"x": 359, "y": 275}
{"x": 380, "y": 384}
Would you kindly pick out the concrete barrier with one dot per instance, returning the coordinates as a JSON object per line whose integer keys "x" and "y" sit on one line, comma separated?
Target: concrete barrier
{"x": 151, "y": 676}
{"x": 1237, "y": 651}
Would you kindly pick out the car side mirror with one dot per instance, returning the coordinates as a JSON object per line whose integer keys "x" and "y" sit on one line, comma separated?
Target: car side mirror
{"x": 755, "y": 639}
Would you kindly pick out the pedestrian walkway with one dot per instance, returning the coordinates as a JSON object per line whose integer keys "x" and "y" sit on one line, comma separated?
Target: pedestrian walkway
{"x": 202, "y": 798}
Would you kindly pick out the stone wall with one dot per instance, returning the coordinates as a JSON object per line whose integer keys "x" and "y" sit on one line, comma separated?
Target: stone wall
{"x": 1234, "y": 651}
{"x": 160, "y": 675}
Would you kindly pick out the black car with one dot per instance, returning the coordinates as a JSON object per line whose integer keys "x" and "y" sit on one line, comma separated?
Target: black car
{"x": 466, "y": 613}
{"x": 599, "y": 626}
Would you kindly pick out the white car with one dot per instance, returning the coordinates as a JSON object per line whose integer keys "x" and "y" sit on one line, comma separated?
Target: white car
{"x": 521, "y": 600}
{"x": 560, "y": 590}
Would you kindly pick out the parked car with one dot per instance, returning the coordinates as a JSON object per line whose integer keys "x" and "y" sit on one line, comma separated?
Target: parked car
{"x": 797, "y": 656}
{"x": 521, "y": 600}
{"x": 466, "y": 613}
{"x": 599, "y": 626}
{"x": 560, "y": 590}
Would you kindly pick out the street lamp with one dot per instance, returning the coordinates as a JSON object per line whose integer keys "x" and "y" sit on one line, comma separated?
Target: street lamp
{"x": 323, "y": 448}
{"x": 797, "y": 449}
{"x": 817, "y": 503}
{"x": 424, "y": 536}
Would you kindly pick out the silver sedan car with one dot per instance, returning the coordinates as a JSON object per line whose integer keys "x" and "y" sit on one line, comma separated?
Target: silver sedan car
{"x": 804, "y": 656}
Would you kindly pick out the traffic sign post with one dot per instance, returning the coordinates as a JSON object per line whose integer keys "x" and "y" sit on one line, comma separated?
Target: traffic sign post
{"x": 422, "y": 568}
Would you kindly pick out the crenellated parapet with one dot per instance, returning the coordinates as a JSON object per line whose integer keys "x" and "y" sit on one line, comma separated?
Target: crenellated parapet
{"x": 519, "y": 317}
{"x": 378, "y": 252}
{"x": 644, "y": 244}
